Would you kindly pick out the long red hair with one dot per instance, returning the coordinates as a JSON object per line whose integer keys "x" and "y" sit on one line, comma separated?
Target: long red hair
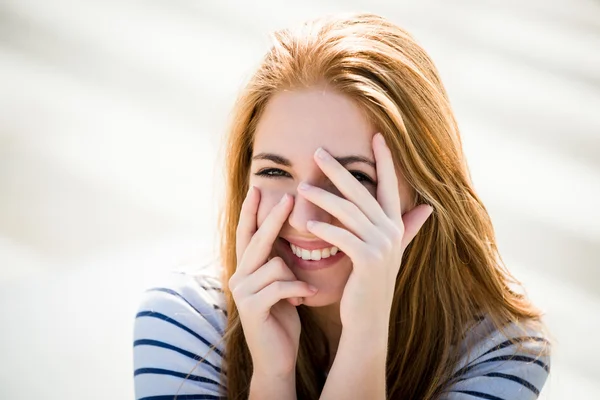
{"x": 451, "y": 272}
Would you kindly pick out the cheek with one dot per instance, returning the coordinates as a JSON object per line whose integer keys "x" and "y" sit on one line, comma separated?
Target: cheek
{"x": 268, "y": 199}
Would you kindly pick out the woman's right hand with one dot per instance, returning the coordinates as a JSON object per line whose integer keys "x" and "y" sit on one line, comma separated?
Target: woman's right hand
{"x": 267, "y": 291}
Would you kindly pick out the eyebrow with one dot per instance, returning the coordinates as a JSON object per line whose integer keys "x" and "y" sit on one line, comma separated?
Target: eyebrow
{"x": 277, "y": 159}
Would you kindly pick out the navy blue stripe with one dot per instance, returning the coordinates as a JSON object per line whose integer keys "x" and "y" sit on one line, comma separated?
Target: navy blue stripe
{"x": 216, "y": 307}
{"x": 502, "y": 358}
{"x": 163, "y": 317}
{"x": 179, "y": 295}
{"x": 512, "y": 342}
{"x": 160, "y": 371}
{"x": 478, "y": 394}
{"x": 513, "y": 378}
{"x": 502, "y": 345}
{"x": 156, "y": 343}
{"x": 183, "y": 397}
{"x": 516, "y": 379}
{"x": 216, "y": 288}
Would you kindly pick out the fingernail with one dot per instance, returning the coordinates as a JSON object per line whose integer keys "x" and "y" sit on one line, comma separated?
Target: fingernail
{"x": 380, "y": 137}
{"x": 310, "y": 224}
{"x": 303, "y": 186}
{"x": 312, "y": 288}
{"x": 250, "y": 189}
{"x": 321, "y": 153}
{"x": 283, "y": 198}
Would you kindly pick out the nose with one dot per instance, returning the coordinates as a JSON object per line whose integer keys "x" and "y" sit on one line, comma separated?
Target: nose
{"x": 305, "y": 211}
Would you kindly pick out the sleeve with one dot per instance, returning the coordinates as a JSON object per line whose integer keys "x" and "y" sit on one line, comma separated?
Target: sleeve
{"x": 503, "y": 369}
{"x": 177, "y": 349}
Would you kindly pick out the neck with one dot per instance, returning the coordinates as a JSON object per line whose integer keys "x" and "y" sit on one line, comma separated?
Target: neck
{"x": 328, "y": 319}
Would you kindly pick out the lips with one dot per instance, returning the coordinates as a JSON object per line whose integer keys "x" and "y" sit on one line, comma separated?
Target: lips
{"x": 309, "y": 254}
{"x": 307, "y": 244}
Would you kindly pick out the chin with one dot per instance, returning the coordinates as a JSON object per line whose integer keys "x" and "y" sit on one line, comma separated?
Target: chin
{"x": 322, "y": 300}
{"x": 319, "y": 301}
{"x": 330, "y": 282}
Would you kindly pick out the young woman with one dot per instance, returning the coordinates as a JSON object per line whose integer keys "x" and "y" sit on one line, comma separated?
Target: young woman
{"x": 357, "y": 260}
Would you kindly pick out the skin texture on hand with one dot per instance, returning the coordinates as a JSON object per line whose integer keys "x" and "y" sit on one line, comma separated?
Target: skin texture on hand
{"x": 375, "y": 238}
{"x": 266, "y": 292}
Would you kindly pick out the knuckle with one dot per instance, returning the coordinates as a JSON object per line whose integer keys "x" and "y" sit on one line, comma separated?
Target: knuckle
{"x": 396, "y": 233}
{"x": 243, "y": 305}
{"x": 279, "y": 264}
{"x": 238, "y": 292}
{"x": 282, "y": 271}
{"x": 278, "y": 287}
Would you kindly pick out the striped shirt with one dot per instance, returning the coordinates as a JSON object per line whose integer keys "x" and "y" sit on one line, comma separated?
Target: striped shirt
{"x": 178, "y": 322}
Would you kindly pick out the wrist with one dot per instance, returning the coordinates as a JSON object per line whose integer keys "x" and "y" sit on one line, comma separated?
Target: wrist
{"x": 371, "y": 332}
{"x": 365, "y": 343}
{"x": 264, "y": 385}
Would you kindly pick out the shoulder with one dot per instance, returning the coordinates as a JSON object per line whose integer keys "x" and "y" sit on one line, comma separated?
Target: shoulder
{"x": 178, "y": 334}
{"x": 510, "y": 362}
{"x": 192, "y": 296}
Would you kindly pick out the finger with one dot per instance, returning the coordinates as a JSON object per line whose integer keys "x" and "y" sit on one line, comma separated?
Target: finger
{"x": 387, "y": 187}
{"x": 413, "y": 221}
{"x": 338, "y": 237}
{"x": 295, "y": 301}
{"x": 274, "y": 270}
{"x": 261, "y": 244}
{"x": 280, "y": 290}
{"x": 345, "y": 211}
{"x": 349, "y": 186}
{"x": 247, "y": 222}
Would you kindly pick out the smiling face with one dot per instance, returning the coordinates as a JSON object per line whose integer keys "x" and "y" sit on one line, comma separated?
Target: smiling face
{"x": 293, "y": 125}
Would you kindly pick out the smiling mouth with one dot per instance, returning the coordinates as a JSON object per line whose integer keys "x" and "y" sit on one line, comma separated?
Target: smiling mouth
{"x": 312, "y": 255}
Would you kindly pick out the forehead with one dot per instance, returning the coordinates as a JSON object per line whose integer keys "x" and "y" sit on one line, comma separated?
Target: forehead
{"x": 298, "y": 122}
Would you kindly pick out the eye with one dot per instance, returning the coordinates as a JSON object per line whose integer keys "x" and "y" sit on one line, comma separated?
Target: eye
{"x": 272, "y": 173}
{"x": 362, "y": 177}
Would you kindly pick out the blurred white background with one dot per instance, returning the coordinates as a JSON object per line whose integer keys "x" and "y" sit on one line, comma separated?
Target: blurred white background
{"x": 111, "y": 115}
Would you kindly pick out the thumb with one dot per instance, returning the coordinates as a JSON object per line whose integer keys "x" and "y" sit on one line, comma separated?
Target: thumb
{"x": 413, "y": 221}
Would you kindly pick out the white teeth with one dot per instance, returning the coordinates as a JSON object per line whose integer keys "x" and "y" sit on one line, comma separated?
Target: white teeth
{"x": 305, "y": 254}
{"x": 314, "y": 255}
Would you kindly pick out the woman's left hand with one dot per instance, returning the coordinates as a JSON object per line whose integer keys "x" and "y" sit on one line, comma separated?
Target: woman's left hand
{"x": 375, "y": 240}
